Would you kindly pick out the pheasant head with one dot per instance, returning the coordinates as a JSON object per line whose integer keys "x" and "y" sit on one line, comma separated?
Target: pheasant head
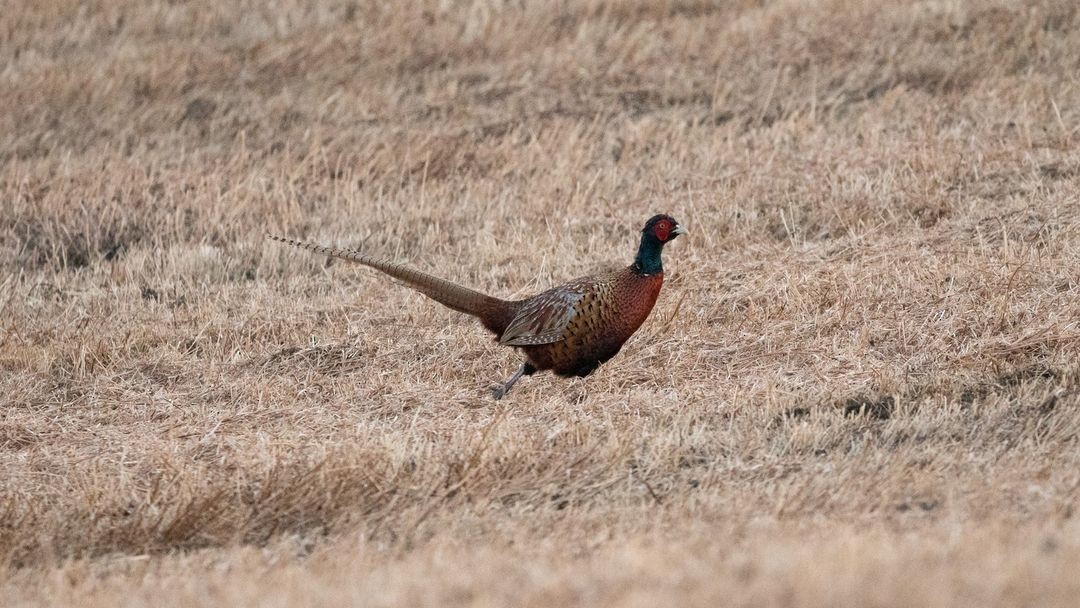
{"x": 658, "y": 231}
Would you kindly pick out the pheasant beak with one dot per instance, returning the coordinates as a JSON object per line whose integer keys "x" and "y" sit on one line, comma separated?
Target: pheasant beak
{"x": 678, "y": 230}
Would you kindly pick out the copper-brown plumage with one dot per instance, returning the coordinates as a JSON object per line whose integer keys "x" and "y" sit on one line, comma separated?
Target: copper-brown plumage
{"x": 570, "y": 329}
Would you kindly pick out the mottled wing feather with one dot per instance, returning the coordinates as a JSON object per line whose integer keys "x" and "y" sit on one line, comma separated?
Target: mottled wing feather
{"x": 544, "y": 318}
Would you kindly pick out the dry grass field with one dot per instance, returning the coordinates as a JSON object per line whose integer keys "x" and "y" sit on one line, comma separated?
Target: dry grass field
{"x": 860, "y": 386}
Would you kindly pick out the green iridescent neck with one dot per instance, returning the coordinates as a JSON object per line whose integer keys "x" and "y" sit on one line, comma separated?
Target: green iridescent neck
{"x": 648, "y": 255}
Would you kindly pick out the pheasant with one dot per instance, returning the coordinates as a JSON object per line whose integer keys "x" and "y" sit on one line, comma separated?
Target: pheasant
{"x": 570, "y": 329}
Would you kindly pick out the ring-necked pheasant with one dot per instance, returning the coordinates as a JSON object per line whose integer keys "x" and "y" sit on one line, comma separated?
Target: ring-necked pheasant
{"x": 570, "y": 329}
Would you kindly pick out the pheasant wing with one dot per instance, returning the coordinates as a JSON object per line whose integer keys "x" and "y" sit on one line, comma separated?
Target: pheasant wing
{"x": 543, "y": 318}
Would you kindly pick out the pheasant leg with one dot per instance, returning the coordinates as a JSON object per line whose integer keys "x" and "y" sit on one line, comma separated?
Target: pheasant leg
{"x": 500, "y": 391}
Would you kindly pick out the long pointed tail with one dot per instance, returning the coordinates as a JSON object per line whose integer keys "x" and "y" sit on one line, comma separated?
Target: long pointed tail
{"x": 493, "y": 312}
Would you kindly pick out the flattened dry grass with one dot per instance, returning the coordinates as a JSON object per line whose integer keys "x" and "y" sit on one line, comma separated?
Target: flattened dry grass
{"x": 859, "y": 386}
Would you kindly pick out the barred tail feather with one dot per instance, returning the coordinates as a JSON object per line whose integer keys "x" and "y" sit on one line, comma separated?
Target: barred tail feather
{"x": 490, "y": 310}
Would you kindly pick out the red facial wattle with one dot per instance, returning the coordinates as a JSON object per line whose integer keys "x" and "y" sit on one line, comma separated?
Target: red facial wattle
{"x": 662, "y": 231}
